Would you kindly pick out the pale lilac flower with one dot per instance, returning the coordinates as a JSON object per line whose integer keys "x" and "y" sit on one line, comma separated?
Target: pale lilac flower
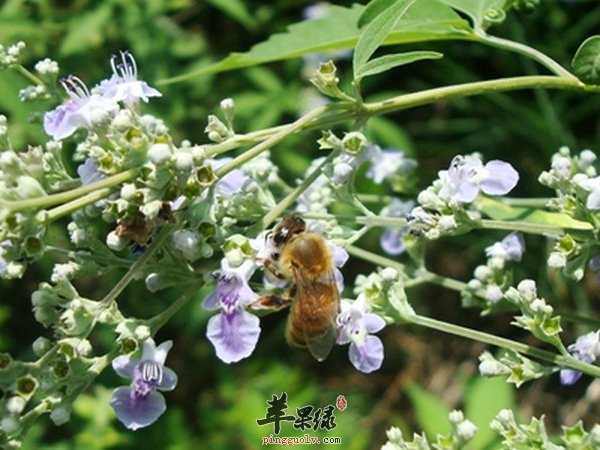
{"x": 467, "y": 176}
{"x": 139, "y": 405}
{"x": 385, "y": 164}
{"x": 592, "y": 185}
{"x": 586, "y": 348}
{"x": 355, "y": 325}
{"x": 81, "y": 110}
{"x": 511, "y": 248}
{"x": 3, "y": 264}
{"x": 123, "y": 85}
{"x": 391, "y": 239}
{"x": 233, "y": 332}
{"x": 88, "y": 172}
{"x": 339, "y": 256}
{"x": 231, "y": 184}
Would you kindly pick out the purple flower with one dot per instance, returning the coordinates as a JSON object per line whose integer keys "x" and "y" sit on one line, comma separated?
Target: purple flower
{"x": 234, "y": 331}
{"x": 232, "y": 183}
{"x": 586, "y": 348}
{"x": 355, "y": 325}
{"x": 139, "y": 405}
{"x": 81, "y": 110}
{"x": 385, "y": 164}
{"x": 123, "y": 85}
{"x": 88, "y": 172}
{"x": 467, "y": 176}
{"x": 391, "y": 239}
{"x": 511, "y": 248}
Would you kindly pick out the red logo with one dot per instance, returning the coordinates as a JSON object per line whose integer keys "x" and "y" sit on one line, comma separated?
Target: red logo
{"x": 341, "y": 402}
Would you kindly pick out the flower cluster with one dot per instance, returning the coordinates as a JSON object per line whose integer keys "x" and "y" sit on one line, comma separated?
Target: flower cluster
{"x": 491, "y": 280}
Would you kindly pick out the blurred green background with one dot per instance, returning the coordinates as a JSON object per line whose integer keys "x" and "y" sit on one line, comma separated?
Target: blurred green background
{"x": 424, "y": 374}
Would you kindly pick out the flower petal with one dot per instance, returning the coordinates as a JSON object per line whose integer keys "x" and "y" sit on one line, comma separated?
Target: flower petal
{"x": 466, "y": 192}
{"x": 124, "y": 365}
{"x": 137, "y": 412}
{"x": 569, "y": 376}
{"x": 56, "y": 123}
{"x": 367, "y": 357}
{"x": 211, "y": 301}
{"x": 234, "y": 335}
{"x": 502, "y": 177}
{"x": 160, "y": 353}
{"x": 373, "y": 323}
{"x": 169, "y": 380}
{"x": 148, "y": 349}
{"x": 391, "y": 241}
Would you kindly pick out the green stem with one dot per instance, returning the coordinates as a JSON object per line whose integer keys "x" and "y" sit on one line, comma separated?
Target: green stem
{"x": 62, "y": 197}
{"x": 280, "y": 135}
{"x": 297, "y": 192}
{"x": 475, "y": 88}
{"x": 158, "y": 321}
{"x": 527, "y": 51}
{"x": 74, "y": 205}
{"x": 525, "y": 227}
{"x": 375, "y": 259}
{"x": 526, "y": 202}
{"x": 560, "y": 360}
{"x": 137, "y": 266}
{"x": 29, "y": 75}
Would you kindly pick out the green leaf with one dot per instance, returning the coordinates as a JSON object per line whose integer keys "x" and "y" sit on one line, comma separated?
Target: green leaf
{"x": 373, "y": 9}
{"x": 482, "y": 12}
{"x": 586, "y": 62}
{"x": 425, "y": 20}
{"x": 431, "y": 412}
{"x": 87, "y": 31}
{"x": 237, "y": 10}
{"x": 375, "y": 33}
{"x": 483, "y": 399}
{"x": 388, "y": 62}
{"x": 501, "y": 211}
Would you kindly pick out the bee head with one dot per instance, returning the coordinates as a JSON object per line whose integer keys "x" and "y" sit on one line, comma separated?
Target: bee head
{"x": 290, "y": 226}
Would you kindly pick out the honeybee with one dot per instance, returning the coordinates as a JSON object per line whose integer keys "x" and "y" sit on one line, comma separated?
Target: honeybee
{"x": 304, "y": 258}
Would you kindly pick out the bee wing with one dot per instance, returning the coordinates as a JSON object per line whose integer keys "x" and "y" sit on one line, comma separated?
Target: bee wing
{"x": 318, "y": 304}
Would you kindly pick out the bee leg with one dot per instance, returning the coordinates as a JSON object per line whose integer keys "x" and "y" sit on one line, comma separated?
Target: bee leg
{"x": 271, "y": 302}
{"x": 269, "y": 265}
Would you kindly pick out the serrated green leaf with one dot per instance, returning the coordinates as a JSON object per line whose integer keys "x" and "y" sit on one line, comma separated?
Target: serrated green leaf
{"x": 480, "y": 11}
{"x": 483, "y": 399}
{"x": 375, "y": 33}
{"x": 388, "y": 62}
{"x": 586, "y": 62}
{"x": 373, "y": 9}
{"x": 501, "y": 211}
{"x": 431, "y": 412}
{"x": 425, "y": 20}
{"x": 87, "y": 31}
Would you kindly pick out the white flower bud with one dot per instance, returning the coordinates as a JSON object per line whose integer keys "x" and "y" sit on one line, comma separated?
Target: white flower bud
{"x": 447, "y": 223}
{"x": 142, "y": 332}
{"x": 186, "y": 241}
{"x": 475, "y": 284}
{"x": 587, "y": 157}
{"x": 128, "y": 192}
{"x": 114, "y": 242}
{"x": 41, "y": 345}
{"x": 184, "y": 162}
{"x": 9, "y": 425}
{"x": 84, "y": 348}
{"x": 456, "y": 416}
{"x": 60, "y": 415}
{"x": 159, "y": 154}
{"x": 199, "y": 154}
{"x": 432, "y": 234}
{"x": 595, "y": 434}
{"x": 505, "y": 416}
{"x": 491, "y": 368}
{"x": 562, "y": 167}
{"x": 394, "y": 434}
{"x": 15, "y": 405}
{"x": 123, "y": 120}
{"x": 483, "y": 273}
{"x": 389, "y": 274}
{"x": 493, "y": 294}
{"x": 579, "y": 177}
{"x": 235, "y": 257}
{"x": 466, "y": 430}
{"x": 541, "y": 307}
{"x": 154, "y": 282}
{"x": 557, "y": 260}
{"x": 527, "y": 289}
{"x": 545, "y": 179}
{"x": 206, "y": 251}
{"x": 496, "y": 263}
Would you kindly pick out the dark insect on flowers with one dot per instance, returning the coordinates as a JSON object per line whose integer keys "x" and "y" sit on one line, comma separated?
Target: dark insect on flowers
{"x": 304, "y": 259}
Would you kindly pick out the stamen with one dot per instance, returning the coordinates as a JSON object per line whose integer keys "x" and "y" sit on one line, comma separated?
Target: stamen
{"x": 151, "y": 372}
{"x": 74, "y": 87}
